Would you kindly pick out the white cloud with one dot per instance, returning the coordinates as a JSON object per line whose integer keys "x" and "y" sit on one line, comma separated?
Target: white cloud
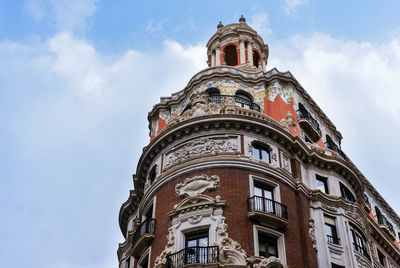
{"x": 290, "y": 6}
{"x": 152, "y": 26}
{"x": 260, "y": 23}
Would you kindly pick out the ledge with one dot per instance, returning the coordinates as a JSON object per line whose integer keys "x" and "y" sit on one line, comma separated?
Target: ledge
{"x": 143, "y": 242}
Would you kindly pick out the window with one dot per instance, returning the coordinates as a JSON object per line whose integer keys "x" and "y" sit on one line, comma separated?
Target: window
{"x": 381, "y": 258}
{"x": 152, "y": 175}
{"x": 261, "y": 153}
{"x": 330, "y": 229}
{"x": 149, "y": 213}
{"x": 267, "y": 246}
{"x": 196, "y": 247}
{"x": 337, "y": 266}
{"x": 359, "y": 241}
{"x": 231, "y": 55}
{"x": 263, "y": 200}
{"x": 346, "y": 194}
{"x": 214, "y": 94}
{"x": 322, "y": 184}
{"x": 256, "y": 58}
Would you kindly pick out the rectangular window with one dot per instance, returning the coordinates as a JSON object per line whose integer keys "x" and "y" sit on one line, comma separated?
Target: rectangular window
{"x": 267, "y": 246}
{"x": 261, "y": 153}
{"x": 346, "y": 193}
{"x": 381, "y": 258}
{"x": 322, "y": 184}
{"x": 196, "y": 248}
{"x": 263, "y": 200}
{"x": 330, "y": 229}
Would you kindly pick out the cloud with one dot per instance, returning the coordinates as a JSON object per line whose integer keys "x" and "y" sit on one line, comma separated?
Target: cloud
{"x": 152, "y": 26}
{"x": 356, "y": 85}
{"x": 290, "y": 6}
{"x": 65, "y": 15}
{"x": 260, "y": 23}
{"x": 76, "y": 123}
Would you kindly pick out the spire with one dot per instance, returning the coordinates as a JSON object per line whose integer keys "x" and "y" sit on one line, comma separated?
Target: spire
{"x": 220, "y": 25}
{"x": 242, "y": 19}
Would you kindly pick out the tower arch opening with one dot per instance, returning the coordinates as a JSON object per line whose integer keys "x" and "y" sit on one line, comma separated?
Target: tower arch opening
{"x": 256, "y": 58}
{"x": 231, "y": 58}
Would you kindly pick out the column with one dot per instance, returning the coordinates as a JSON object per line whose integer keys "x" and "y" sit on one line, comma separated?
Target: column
{"x": 242, "y": 52}
{"x": 213, "y": 58}
{"x": 218, "y": 56}
{"x": 250, "y": 53}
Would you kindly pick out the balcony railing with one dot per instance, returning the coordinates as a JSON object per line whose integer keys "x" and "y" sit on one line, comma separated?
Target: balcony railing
{"x": 335, "y": 148}
{"x": 382, "y": 220}
{"x": 221, "y": 99}
{"x": 193, "y": 255}
{"x": 258, "y": 203}
{"x": 362, "y": 250}
{"x": 146, "y": 227}
{"x": 333, "y": 239}
{"x": 304, "y": 114}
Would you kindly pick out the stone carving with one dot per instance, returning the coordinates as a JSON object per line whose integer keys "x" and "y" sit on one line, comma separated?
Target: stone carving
{"x": 195, "y": 219}
{"x": 288, "y": 122}
{"x": 357, "y": 218}
{"x": 199, "y": 147}
{"x": 196, "y": 185}
{"x": 271, "y": 262}
{"x": 161, "y": 260}
{"x": 311, "y": 232}
{"x": 285, "y": 162}
{"x": 231, "y": 252}
{"x": 333, "y": 209}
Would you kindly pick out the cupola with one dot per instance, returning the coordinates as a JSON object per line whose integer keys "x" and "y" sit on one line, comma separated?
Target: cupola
{"x": 237, "y": 45}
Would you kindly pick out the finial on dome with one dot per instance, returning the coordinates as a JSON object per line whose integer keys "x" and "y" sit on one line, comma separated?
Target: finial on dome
{"x": 242, "y": 19}
{"x": 220, "y": 25}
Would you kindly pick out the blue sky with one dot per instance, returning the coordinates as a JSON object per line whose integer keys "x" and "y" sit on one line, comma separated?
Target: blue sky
{"x": 77, "y": 79}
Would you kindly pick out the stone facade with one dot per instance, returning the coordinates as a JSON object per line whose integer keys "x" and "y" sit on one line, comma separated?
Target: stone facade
{"x": 244, "y": 169}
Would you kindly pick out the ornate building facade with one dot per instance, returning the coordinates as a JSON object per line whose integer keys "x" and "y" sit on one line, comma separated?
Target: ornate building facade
{"x": 243, "y": 169}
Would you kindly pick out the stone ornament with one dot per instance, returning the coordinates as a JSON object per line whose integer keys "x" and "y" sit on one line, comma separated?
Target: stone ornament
{"x": 196, "y": 185}
{"x": 332, "y": 209}
{"x": 288, "y": 122}
{"x": 285, "y": 162}
{"x": 311, "y": 233}
{"x": 271, "y": 262}
{"x": 199, "y": 147}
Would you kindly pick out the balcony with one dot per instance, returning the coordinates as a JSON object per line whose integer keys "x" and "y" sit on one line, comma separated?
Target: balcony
{"x": 362, "y": 250}
{"x": 143, "y": 236}
{"x": 333, "y": 239}
{"x": 309, "y": 124}
{"x": 242, "y": 102}
{"x": 267, "y": 210}
{"x": 332, "y": 146}
{"x": 194, "y": 256}
{"x": 386, "y": 226}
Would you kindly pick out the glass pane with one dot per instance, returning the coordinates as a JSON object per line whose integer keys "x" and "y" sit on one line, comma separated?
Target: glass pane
{"x": 191, "y": 243}
{"x": 328, "y": 230}
{"x": 262, "y": 249}
{"x": 256, "y": 153}
{"x": 272, "y": 250}
{"x": 258, "y": 191}
{"x": 203, "y": 242}
{"x": 268, "y": 194}
{"x": 265, "y": 155}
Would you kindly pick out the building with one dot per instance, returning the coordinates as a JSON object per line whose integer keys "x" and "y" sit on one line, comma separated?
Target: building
{"x": 243, "y": 169}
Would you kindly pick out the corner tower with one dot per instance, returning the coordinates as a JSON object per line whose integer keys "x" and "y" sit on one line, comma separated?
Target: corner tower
{"x": 244, "y": 169}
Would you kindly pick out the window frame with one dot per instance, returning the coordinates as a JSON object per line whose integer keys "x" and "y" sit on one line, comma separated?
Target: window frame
{"x": 381, "y": 255}
{"x": 257, "y": 229}
{"x": 346, "y": 192}
{"x": 333, "y": 227}
{"x": 324, "y": 180}
{"x": 261, "y": 147}
{"x": 254, "y": 180}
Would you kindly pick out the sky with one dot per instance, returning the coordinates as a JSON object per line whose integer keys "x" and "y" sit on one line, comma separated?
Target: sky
{"x": 78, "y": 77}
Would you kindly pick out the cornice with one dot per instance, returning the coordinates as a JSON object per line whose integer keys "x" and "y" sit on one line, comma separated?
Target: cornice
{"x": 384, "y": 240}
{"x": 244, "y": 123}
{"x": 221, "y": 72}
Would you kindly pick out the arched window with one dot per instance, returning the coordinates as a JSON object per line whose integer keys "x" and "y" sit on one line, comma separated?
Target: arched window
{"x": 214, "y": 94}
{"x": 152, "y": 175}
{"x": 243, "y": 99}
{"x": 231, "y": 55}
{"x": 256, "y": 58}
{"x": 346, "y": 193}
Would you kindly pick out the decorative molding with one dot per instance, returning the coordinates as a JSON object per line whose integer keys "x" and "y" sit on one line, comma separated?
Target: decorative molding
{"x": 200, "y": 147}
{"x": 197, "y": 185}
{"x": 311, "y": 233}
{"x": 285, "y": 162}
{"x": 271, "y": 262}
{"x": 288, "y": 122}
{"x": 332, "y": 209}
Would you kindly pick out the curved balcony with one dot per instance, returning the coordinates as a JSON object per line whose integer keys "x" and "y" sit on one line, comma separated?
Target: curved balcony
{"x": 143, "y": 236}
{"x": 242, "y": 102}
{"x": 267, "y": 210}
{"x": 335, "y": 148}
{"x": 309, "y": 124}
{"x": 386, "y": 226}
{"x": 194, "y": 256}
{"x": 362, "y": 250}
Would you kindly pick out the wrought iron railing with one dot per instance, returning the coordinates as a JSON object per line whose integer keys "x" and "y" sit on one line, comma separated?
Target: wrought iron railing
{"x": 334, "y": 147}
{"x": 193, "y": 255}
{"x": 258, "y": 203}
{"x": 304, "y": 114}
{"x": 362, "y": 250}
{"x": 333, "y": 239}
{"x": 243, "y": 102}
{"x": 146, "y": 227}
{"x": 384, "y": 221}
